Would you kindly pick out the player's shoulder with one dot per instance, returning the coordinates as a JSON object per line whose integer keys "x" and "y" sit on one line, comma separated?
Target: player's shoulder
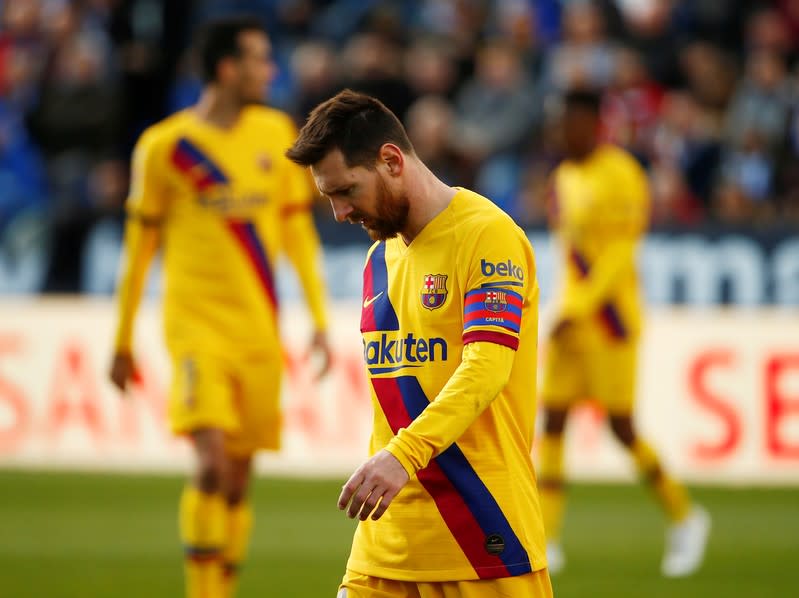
{"x": 616, "y": 157}
{"x": 478, "y": 215}
{"x": 164, "y": 131}
{"x": 268, "y": 117}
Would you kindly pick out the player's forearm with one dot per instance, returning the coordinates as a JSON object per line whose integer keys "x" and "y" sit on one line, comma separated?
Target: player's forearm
{"x": 303, "y": 250}
{"x": 141, "y": 243}
{"x": 593, "y": 290}
{"x": 482, "y": 374}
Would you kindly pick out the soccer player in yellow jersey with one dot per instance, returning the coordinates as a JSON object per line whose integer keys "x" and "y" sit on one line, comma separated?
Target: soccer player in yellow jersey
{"x": 212, "y": 187}
{"x": 599, "y": 213}
{"x": 447, "y": 503}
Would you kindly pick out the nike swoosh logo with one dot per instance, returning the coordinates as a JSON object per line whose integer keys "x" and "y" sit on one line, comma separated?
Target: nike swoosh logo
{"x": 367, "y": 302}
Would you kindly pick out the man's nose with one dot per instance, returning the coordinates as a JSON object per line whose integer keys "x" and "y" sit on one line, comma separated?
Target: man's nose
{"x": 341, "y": 210}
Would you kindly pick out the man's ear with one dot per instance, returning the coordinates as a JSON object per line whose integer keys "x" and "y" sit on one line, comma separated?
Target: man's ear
{"x": 393, "y": 158}
{"x": 225, "y": 69}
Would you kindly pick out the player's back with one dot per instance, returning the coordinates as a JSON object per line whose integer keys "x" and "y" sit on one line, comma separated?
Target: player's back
{"x": 600, "y": 202}
{"x": 219, "y": 194}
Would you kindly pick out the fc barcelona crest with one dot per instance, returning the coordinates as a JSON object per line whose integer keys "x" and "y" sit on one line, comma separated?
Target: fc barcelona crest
{"x": 434, "y": 291}
{"x": 496, "y": 301}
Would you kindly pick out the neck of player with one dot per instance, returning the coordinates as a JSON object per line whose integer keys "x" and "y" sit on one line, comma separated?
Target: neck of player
{"x": 428, "y": 197}
{"x": 218, "y": 107}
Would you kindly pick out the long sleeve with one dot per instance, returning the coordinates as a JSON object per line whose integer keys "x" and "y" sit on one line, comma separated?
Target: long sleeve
{"x": 594, "y": 288}
{"x": 300, "y": 239}
{"x": 146, "y": 206}
{"x": 483, "y": 372}
{"x": 141, "y": 244}
{"x": 304, "y": 251}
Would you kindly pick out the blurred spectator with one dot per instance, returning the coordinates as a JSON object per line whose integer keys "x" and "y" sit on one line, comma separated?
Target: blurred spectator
{"x": 316, "y": 76}
{"x": 151, "y": 37}
{"x": 373, "y": 65}
{"x": 631, "y": 108}
{"x": 709, "y": 75}
{"x": 22, "y": 175}
{"x": 686, "y": 141}
{"x": 651, "y": 31}
{"x": 761, "y": 102}
{"x": 516, "y": 22}
{"x": 769, "y": 29}
{"x": 23, "y": 51}
{"x": 497, "y": 109}
{"x": 673, "y": 203}
{"x": 749, "y": 168}
{"x": 459, "y": 21}
{"x": 731, "y": 206}
{"x": 789, "y": 17}
{"x": 533, "y": 201}
{"x": 429, "y": 124}
{"x": 76, "y": 123}
{"x": 430, "y": 68}
{"x": 23, "y": 184}
{"x": 496, "y": 112}
{"x": 585, "y": 57}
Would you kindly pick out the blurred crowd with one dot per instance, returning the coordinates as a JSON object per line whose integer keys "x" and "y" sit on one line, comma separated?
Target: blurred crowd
{"x": 705, "y": 93}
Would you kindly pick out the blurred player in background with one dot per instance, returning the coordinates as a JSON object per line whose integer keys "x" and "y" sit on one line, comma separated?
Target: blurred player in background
{"x": 449, "y": 323}
{"x": 600, "y": 205}
{"x": 211, "y": 186}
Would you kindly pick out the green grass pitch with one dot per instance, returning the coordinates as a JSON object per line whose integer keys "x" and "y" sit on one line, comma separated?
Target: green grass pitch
{"x": 72, "y": 535}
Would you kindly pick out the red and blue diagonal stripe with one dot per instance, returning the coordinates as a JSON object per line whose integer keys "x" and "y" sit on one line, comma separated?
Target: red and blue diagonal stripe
{"x": 377, "y": 313}
{"x": 247, "y": 236}
{"x": 467, "y": 507}
{"x": 194, "y": 164}
{"x": 203, "y": 173}
{"x": 608, "y": 313}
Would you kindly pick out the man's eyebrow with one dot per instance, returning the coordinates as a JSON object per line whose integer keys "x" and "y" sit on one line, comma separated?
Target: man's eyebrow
{"x": 339, "y": 189}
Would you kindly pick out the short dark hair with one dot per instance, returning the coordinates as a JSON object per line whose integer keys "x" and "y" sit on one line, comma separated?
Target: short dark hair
{"x": 219, "y": 39}
{"x": 354, "y": 123}
{"x": 582, "y": 98}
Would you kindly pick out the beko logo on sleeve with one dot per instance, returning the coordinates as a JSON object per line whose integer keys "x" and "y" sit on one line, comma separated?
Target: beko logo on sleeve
{"x": 501, "y": 269}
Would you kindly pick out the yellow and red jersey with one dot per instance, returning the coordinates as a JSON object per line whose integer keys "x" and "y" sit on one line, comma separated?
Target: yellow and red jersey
{"x": 228, "y": 202}
{"x": 600, "y": 211}
{"x": 471, "y": 509}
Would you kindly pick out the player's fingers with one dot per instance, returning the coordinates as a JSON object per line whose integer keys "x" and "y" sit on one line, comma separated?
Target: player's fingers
{"x": 349, "y": 489}
{"x": 328, "y": 360}
{"x": 371, "y": 502}
{"x": 381, "y": 508}
{"x": 118, "y": 379}
{"x": 358, "y": 500}
{"x": 385, "y": 501}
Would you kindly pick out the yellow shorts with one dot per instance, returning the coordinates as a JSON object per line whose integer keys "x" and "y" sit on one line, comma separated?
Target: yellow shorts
{"x": 580, "y": 364}
{"x": 240, "y": 395}
{"x": 530, "y": 585}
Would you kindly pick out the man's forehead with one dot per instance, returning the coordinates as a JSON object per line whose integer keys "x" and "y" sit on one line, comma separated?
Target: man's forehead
{"x": 254, "y": 39}
{"x": 332, "y": 172}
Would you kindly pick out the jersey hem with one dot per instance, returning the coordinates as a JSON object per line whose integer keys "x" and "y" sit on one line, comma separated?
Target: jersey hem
{"x": 437, "y": 575}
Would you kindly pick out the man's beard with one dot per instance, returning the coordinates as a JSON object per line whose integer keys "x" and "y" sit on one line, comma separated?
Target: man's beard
{"x": 391, "y": 218}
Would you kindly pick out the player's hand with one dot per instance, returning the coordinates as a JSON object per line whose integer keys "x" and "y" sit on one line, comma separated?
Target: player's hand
{"x": 374, "y": 484}
{"x": 123, "y": 370}
{"x": 321, "y": 347}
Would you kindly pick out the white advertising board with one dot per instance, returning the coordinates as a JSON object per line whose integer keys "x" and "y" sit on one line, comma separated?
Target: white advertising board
{"x": 718, "y": 396}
